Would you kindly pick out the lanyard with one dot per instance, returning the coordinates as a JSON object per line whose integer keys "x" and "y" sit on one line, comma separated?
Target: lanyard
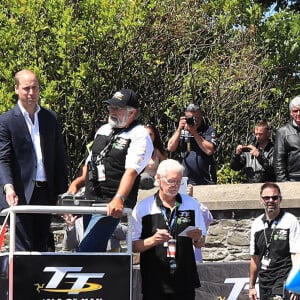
{"x": 173, "y": 217}
{"x": 268, "y": 242}
{"x": 107, "y": 148}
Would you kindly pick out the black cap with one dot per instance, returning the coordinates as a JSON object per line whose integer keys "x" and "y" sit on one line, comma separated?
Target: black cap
{"x": 124, "y": 97}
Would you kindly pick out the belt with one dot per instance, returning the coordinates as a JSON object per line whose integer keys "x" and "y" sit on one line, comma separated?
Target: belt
{"x": 40, "y": 184}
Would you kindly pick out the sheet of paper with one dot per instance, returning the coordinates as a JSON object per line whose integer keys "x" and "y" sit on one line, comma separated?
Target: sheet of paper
{"x": 183, "y": 233}
{"x": 183, "y": 186}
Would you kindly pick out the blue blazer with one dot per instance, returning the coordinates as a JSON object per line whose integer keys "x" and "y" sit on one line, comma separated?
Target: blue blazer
{"x": 18, "y": 163}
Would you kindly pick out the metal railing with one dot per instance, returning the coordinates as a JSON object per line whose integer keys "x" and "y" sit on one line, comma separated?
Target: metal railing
{"x": 60, "y": 210}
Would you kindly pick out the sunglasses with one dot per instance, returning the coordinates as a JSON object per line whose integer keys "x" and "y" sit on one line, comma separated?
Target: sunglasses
{"x": 115, "y": 108}
{"x": 275, "y": 197}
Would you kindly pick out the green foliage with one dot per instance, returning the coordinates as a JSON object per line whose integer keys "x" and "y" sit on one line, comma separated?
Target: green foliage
{"x": 224, "y": 53}
{"x": 226, "y": 175}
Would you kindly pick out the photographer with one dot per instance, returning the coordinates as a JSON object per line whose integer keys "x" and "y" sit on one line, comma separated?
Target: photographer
{"x": 257, "y": 157}
{"x": 197, "y": 143}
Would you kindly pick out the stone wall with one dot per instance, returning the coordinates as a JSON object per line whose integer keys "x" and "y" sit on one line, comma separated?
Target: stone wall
{"x": 234, "y": 207}
{"x": 227, "y": 240}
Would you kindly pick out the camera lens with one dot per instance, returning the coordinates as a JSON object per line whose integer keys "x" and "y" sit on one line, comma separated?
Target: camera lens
{"x": 190, "y": 121}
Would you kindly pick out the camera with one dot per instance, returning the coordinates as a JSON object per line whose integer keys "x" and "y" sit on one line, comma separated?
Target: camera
{"x": 251, "y": 141}
{"x": 245, "y": 149}
{"x": 190, "y": 121}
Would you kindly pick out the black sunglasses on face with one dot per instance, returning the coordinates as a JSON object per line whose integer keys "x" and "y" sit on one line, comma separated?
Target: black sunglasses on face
{"x": 275, "y": 197}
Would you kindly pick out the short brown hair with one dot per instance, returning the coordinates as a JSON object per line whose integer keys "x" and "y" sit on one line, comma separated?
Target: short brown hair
{"x": 270, "y": 185}
{"x": 263, "y": 123}
{"x": 20, "y": 73}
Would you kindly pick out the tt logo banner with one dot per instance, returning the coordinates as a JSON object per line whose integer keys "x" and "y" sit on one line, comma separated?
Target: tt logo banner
{"x": 79, "y": 285}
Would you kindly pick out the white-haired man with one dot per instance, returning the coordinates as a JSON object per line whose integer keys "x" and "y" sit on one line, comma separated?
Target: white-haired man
{"x": 287, "y": 146}
{"x": 166, "y": 225}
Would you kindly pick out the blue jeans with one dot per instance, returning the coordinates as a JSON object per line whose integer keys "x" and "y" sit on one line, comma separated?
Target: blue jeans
{"x": 97, "y": 232}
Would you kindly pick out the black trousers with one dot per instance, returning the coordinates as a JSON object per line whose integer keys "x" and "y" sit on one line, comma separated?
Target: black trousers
{"x": 268, "y": 294}
{"x": 32, "y": 230}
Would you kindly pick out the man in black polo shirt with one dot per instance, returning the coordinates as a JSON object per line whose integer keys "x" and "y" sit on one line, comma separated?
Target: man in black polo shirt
{"x": 274, "y": 247}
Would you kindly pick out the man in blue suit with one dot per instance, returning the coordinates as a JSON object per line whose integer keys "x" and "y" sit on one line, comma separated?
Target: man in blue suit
{"x": 33, "y": 168}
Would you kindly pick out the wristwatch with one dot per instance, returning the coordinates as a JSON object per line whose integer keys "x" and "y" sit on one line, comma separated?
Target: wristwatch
{"x": 120, "y": 196}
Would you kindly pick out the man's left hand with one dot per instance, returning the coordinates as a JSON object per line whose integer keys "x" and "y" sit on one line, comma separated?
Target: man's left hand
{"x": 192, "y": 129}
{"x": 115, "y": 208}
{"x": 195, "y": 234}
{"x": 253, "y": 150}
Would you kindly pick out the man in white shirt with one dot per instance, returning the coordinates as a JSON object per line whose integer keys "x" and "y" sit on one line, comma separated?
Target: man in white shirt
{"x": 33, "y": 169}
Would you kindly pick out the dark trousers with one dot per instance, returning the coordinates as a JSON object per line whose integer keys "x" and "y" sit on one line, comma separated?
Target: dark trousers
{"x": 268, "y": 294}
{"x": 32, "y": 230}
{"x": 101, "y": 230}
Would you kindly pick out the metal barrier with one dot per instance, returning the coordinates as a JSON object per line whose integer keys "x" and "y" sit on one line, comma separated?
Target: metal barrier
{"x": 48, "y": 274}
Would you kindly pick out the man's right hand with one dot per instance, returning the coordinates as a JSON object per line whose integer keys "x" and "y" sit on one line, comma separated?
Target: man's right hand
{"x": 11, "y": 196}
{"x": 182, "y": 123}
{"x": 70, "y": 219}
{"x": 252, "y": 293}
{"x": 239, "y": 149}
{"x": 161, "y": 236}
{"x": 72, "y": 189}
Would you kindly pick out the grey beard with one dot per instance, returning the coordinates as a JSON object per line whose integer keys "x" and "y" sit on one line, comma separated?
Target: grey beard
{"x": 172, "y": 194}
{"x": 116, "y": 124}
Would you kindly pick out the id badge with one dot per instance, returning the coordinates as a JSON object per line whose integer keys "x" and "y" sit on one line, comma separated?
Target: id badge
{"x": 171, "y": 251}
{"x": 265, "y": 262}
{"x": 101, "y": 173}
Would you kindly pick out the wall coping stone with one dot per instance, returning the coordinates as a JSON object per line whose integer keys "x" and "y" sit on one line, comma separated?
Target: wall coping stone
{"x": 238, "y": 196}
